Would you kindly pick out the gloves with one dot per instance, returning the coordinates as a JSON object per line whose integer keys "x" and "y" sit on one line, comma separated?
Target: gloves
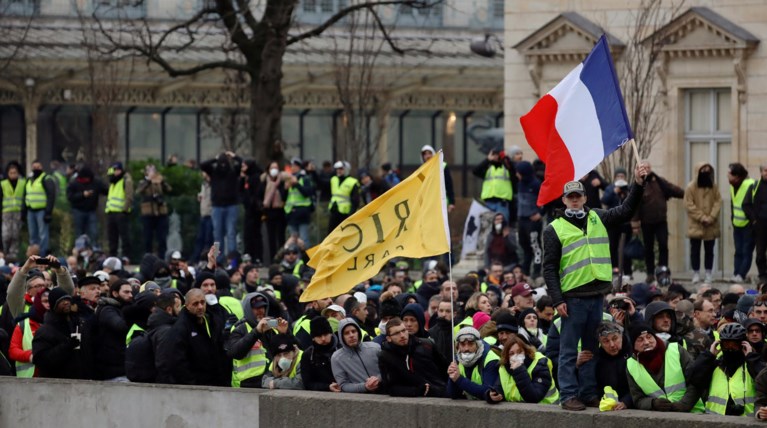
{"x": 679, "y": 407}
{"x": 47, "y": 218}
{"x": 662, "y": 405}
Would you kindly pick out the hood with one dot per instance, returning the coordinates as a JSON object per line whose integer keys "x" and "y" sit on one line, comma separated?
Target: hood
{"x": 416, "y": 310}
{"x": 85, "y": 173}
{"x": 148, "y": 266}
{"x": 402, "y": 298}
{"x": 654, "y": 309}
{"x": 253, "y": 169}
{"x": 246, "y": 310}
{"x": 223, "y": 282}
{"x": 525, "y": 170}
{"x": 341, "y": 325}
{"x": 159, "y": 318}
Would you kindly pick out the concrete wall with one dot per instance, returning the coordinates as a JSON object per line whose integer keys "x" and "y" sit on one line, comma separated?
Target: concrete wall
{"x": 64, "y": 404}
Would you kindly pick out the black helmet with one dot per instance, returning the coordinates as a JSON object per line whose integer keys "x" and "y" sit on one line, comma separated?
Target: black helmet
{"x": 733, "y": 331}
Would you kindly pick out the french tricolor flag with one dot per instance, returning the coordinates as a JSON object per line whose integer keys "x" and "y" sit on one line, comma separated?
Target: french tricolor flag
{"x": 578, "y": 123}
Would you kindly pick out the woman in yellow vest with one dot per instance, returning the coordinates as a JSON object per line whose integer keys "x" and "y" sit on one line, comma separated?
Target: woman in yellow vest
{"x": 524, "y": 375}
{"x": 12, "y": 196}
{"x": 656, "y": 374}
{"x": 285, "y": 369}
{"x": 21, "y": 341}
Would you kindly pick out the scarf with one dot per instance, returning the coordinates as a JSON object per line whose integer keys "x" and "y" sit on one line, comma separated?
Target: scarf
{"x": 653, "y": 360}
{"x": 272, "y": 197}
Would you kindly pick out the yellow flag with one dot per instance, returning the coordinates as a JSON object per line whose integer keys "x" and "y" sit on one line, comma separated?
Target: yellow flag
{"x": 409, "y": 220}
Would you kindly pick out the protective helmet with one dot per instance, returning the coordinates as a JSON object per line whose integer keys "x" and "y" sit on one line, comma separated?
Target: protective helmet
{"x": 733, "y": 331}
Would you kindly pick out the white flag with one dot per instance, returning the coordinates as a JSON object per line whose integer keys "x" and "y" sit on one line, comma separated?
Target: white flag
{"x": 471, "y": 228}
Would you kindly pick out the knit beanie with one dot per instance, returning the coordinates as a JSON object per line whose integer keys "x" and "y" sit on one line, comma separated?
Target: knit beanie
{"x": 480, "y": 319}
{"x": 319, "y": 326}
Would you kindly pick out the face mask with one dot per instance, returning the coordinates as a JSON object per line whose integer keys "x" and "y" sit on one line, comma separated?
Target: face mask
{"x": 466, "y": 358}
{"x": 498, "y": 227}
{"x": 273, "y": 172}
{"x": 575, "y": 213}
{"x": 382, "y": 327}
{"x": 285, "y": 364}
{"x": 663, "y": 336}
{"x": 519, "y": 358}
{"x": 211, "y": 299}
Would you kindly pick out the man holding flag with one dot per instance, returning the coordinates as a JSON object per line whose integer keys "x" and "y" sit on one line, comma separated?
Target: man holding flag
{"x": 572, "y": 129}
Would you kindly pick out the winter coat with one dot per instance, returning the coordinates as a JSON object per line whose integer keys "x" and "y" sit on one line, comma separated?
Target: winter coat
{"x": 353, "y": 366}
{"x": 154, "y": 196}
{"x": 85, "y": 181}
{"x": 532, "y": 387}
{"x": 654, "y": 206}
{"x": 224, "y": 179}
{"x": 197, "y": 358}
{"x": 111, "y": 330}
{"x": 241, "y": 341}
{"x": 702, "y": 202}
{"x": 159, "y": 326}
{"x": 54, "y": 350}
{"x": 316, "y": 368}
{"x": 611, "y": 371}
{"x": 405, "y": 370}
{"x": 441, "y": 333}
{"x": 643, "y": 401}
{"x": 464, "y": 387}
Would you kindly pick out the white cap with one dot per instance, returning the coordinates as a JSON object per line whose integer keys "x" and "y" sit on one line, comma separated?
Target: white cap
{"x": 176, "y": 255}
{"x": 334, "y": 308}
{"x": 113, "y": 263}
{"x": 101, "y": 275}
{"x": 338, "y": 165}
{"x": 428, "y": 148}
{"x": 361, "y": 297}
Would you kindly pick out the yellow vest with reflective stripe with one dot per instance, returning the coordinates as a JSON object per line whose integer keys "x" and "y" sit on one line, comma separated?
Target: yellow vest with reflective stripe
{"x": 674, "y": 384}
{"x": 740, "y": 387}
{"x": 497, "y": 184}
{"x": 116, "y": 197}
{"x": 36, "y": 198}
{"x": 26, "y": 369}
{"x": 739, "y": 218}
{"x": 13, "y": 199}
{"x": 476, "y": 371}
{"x": 585, "y": 256}
{"x": 341, "y": 193}
{"x": 232, "y": 305}
{"x": 511, "y": 392}
{"x": 467, "y": 322}
{"x": 296, "y": 198}
{"x": 253, "y": 365}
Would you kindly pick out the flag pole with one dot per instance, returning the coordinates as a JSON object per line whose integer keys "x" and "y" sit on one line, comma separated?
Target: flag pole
{"x": 636, "y": 152}
{"x": 452, "y": 304}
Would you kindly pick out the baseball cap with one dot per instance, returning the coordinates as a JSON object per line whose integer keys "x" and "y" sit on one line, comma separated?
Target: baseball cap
{"x": 338, "y": 165}
{"x": 333, "y": 308}
{"x": 573, "y": 187}
{"x": 176, "y": 255}
{"x": 101, "y": 275}
{"x": 361, "y": 297}
{"x": 258, "y": 302}
{"x": 522, "y": 289}
{"x": 112, "y": 263}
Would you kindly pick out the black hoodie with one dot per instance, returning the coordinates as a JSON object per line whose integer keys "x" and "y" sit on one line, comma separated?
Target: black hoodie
{"x": 316, "y": 371}
{"x": 85, "y": 181}
{"x": 249, "y": 187}
{"x": 224, "y": 179}
{"x": 405, "y": 370}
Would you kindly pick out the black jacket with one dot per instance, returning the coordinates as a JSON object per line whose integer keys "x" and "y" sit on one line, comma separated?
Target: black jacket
{"x": 611, "y": 371}
{"x": 406, "y": 370}
{"x": 198, "y": 357}
{"x": 224, "y": 180}
{"x": 160, "y": 324}
{"x": 316, "y": 372}
{"x": 533, "y": 388}
{"x": 250, "y": 188}
{"x": 441, "y": 333}
{"x": 702, "y": 369}
{"x": 54, "y": 348}
{"x": 755, "y": 203}
{"x": 552, "y": 253}
{"x": 85, "y": 181}
{"x": 109, "y": 347}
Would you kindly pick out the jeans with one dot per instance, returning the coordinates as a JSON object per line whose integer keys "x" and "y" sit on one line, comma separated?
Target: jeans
{"x": 155, "y": 227}
{"x": 298, "y": 223}
{"x": 584, "y": 316}
{"x": 302, "y": 230}
{"x": 38, "y": 230}
{"x": 530, "y": 241}
{"x": 499, "y": 207}
{"x": 708, "y": 250}
{"x": 86, "y": 223}
{"x": 204, "y": 238}
{"x": 743, "y": 237}
{"x": 225, "y": 226}
{"x": 651, "y": 233}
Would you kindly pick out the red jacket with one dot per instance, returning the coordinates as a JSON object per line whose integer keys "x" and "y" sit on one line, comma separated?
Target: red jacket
{"x": 16, "y": 350}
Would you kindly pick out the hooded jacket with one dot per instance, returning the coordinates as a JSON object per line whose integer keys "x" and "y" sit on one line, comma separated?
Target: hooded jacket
{"x": 85, "y": 181}
{"x": 644, "y": 402}
{"x": 353, "y": 366}
{"x": 159, "y": 324}
{"x": 464, "y": 386}
{"x": 700, "y": 203}
{"x": 241, "y": 341}
{"x": 416, "y": 310}
{"x": 405, "y": 370}
{"x": 654, "y": 309}
{"x": 316, "y": 368}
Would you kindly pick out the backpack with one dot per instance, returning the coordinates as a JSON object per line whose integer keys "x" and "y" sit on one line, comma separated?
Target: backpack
{"x": 139, "y": 358}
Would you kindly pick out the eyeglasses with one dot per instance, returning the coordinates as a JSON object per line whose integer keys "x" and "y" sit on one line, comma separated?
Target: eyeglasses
{"x": 397, "y": 333}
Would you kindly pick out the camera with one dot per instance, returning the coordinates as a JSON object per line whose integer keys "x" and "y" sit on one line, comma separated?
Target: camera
{"x": 158, "y": 199}
{"x": 620, "y": 304}
{"x": 271, "y": 323}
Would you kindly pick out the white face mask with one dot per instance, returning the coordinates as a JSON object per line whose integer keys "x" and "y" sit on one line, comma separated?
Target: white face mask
{"x": 575, "y": 213}
{"x": 466, "y": 357}
{"x": 382, "y": 327}
{"x": 498, "y": 227}
{"x": 211, "y": 299}
{"x": 663, "y": 336}
{"x": 273, "y": 172}
{"x": 285, "y": 364}
{"x": 519, "y": 358}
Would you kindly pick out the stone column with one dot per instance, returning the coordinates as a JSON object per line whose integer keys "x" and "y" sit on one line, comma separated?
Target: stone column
{"x": 31, "y": 106}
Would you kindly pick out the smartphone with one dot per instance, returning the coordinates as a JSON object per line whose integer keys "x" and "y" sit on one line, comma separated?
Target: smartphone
{"x": 217, "y": 246}
{"x": 45, "y": 262}
{"x": 271, "y": 323}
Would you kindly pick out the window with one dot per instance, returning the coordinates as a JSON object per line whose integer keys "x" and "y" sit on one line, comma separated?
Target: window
{"x": 410, "y": 16}
{"x": 326, "y": 6}
{"x": 310, "y": 6}
{"x": 123, "y": 9}
{"x": 19, "y": 7}
{"x": 497, "y": 8}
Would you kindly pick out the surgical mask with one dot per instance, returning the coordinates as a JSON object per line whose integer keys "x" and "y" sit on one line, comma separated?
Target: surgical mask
{"x": 466, "y": 358}
{"x": 663, "y": 336}
{"x": 285, "y": 364}
{"x": 519, "y": 358}
{"x": 498, "y": 227}
{"x": 273, "y": 172}
{"x": 575, "y": 213}
{"x": 382, "y": 327}
{"x": 211, "y": 299}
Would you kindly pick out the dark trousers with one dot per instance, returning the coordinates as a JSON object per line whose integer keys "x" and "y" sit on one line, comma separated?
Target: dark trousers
{"x": 204, "y": 238}
{"x": 530, "y": 241}
{"x": 651, "y": 233}
{"x": 155, "y": 227}
{"x": 336, "y": 218}
{"x": 761, "y": 250}
{"x": 614, "y": 234}
{"x": 708, "y": 250}
{"x": 253, "y": 242}
{"x": 86, "y": 223}
{"x": 743, "y": 238}
{"x": 276, "y": 224}
{"x": 118, "y": 229}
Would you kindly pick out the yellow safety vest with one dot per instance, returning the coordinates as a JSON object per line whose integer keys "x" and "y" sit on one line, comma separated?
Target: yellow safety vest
{"x": 296, "y": 198}
{"x": 497, "y": 184}
{"x": 740, "y": 387}
{"x": 341, "y": 193}
{"x": 26, "y": 369}
{"x": 36, "y": 198}
{"x": 674, "y": 384}
{"x": 296, "y": 363}
{"x": 467, "y": 322}
{"x": 133, "y": 329}
{"x": 302, "y": 323}
{"x": 232, "y": 305}
{"x": 13, "y": 199}
{"x": 511, "y": 392}
{"x": 476, "y": 371}
{"x": 585, "y": 257}
{"x": 253, "y": 365}
{"x": 739, "y": 218}
{"x": 116, "y": 197}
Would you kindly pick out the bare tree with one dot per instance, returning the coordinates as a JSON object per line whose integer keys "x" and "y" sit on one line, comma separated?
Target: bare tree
{"x": 639, "y": 70}
{"x": 259, "y": 34}
{"x": 230, "y": 125}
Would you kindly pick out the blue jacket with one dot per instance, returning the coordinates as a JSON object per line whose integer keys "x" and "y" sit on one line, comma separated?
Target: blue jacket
{"x": 489, "y": 379}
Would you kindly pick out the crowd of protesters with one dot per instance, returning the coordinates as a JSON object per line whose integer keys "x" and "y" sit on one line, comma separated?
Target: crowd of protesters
{"x": 535, "y": 325}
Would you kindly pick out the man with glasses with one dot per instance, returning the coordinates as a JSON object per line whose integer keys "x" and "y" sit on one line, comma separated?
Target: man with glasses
{"x": 410, "y": 366}
{"x": 759, "y": 310}
{"x": 755, "y": 332}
